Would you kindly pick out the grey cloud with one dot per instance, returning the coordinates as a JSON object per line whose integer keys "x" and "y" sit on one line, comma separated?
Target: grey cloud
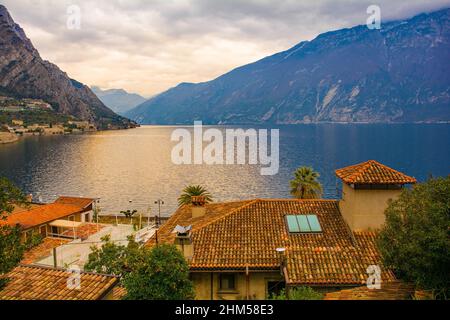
{"x": 148, "y": 46}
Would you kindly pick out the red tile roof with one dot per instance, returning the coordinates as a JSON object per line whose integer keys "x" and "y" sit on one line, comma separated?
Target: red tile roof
{"x": 396, "y": 290}
{"x": 42, "y": 214}
{"x": 247, "y": 234}
{"x": 45, "y": 283}
{"x": 80, "y": 202}
{"x": 42, "y": 250}
{"x": 373, "y": 172}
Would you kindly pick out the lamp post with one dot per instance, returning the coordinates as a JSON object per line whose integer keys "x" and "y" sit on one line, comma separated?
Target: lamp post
{"x": 130, "y": 208}
{"x": 159, "y": 202}
{"x": 149, "y": 209}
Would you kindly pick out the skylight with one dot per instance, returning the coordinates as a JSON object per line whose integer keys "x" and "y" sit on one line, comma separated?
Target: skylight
{"x": 303, "y": 223}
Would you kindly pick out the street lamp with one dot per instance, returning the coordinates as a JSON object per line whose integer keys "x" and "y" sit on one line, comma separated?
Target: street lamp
{"x": 159, "y": 202}
{"x": 131, "y": 216}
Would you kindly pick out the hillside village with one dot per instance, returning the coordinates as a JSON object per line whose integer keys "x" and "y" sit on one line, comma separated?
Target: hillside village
{"x": 242, "y": 250}
{"x": 25, "y": 117}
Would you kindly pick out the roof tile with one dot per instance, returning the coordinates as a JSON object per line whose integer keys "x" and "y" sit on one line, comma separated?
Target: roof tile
{"x": 373, "y": 172}
{"x": 44, "y": 283}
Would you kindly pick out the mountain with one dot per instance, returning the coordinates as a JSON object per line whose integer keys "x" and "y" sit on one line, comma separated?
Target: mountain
{"x": 24, "y": 74}
{"x": 118, "y": 100}
{"x": 400, "y": 73}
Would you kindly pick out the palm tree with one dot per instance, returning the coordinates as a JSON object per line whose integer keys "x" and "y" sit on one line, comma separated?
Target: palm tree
{"x": 305, "y": 184}
{"x": 193, "y": 191}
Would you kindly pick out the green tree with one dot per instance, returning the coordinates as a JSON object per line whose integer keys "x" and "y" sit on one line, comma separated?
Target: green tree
{"x": 11, "y": 247}
{"x": 305, "y": 184}
{"x": 160, "y": 273}
{"x": 163, "y": 275}
{"x": 300, "y": 293}
{"x": 113, "y": 258}
{"x": 415, "y": 240}
{"x": 10, "y": 195}
{"x": 193, "y": 191}
{"x": 129, "y": 213}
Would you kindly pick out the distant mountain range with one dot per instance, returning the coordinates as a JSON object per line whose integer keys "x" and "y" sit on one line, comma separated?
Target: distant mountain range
{"x": 400, "y": 73}
{"x": 24, "y": 74}
{"x": 118, "y": 100}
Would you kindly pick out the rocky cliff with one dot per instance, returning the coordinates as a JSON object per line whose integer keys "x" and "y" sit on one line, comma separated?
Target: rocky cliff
{"x": 400, "y": 73}
{"x": 23, "y": 73}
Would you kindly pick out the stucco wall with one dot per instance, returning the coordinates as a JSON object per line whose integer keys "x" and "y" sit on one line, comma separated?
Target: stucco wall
{"x": 364, "y": 209}
{"x": 257, "y": 286}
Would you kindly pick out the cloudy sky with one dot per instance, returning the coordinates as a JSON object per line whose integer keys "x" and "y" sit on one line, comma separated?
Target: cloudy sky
{"x": 148, "y": 46}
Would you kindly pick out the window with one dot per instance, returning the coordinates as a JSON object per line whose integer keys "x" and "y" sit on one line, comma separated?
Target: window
{"x": 54, "y": 230}
{"x": 43, "y": 231}
{"x": 72, "y": 218}
{"x": 227, "y": 282}
{"x": 303, "y": 223}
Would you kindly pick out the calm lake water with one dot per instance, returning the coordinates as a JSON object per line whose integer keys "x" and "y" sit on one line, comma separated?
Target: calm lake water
{"x": 136, "y": 165}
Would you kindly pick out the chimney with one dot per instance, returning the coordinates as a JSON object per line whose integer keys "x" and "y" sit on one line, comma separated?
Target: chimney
{"x": 183, "y": 241}
{"x": 198, "y": 206}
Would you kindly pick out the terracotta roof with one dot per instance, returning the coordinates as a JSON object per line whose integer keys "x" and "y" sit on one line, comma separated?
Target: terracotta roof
{"x": 41, "y": 215}
{"x": 396, "y": 290}
{"x": 118, "y": 293}
{"x": 44, "y": 283}
{"x": 247, "y": 234}
{"x": 183, "y": 217}
{"x": 372, "y": 172}
{"x": 339, "y": 261}
{"x": 42, "y": 250}
{"x": 80, "y": 202}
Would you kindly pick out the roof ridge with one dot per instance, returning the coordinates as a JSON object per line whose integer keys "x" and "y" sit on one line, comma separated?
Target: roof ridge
{"x": 46, "y": 267}
{"x": 372, "y": 168}
{"x": 362, "y": 167}
{"x": 296, "y": 200}
{"x": 250, "y": 202}
{"x": 75, "y": 197}
{"x": 392, "y": 169}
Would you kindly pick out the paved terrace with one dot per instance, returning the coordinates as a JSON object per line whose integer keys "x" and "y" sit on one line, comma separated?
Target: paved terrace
{"x": 77, "y": 252}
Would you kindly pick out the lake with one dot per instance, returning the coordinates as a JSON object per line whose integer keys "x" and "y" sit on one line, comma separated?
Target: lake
{"x": 119, "y": 166}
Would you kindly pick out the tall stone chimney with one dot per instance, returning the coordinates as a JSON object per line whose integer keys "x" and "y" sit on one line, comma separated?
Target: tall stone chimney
{"x": 198, "y": 206}
{"x": 366, "y": 190}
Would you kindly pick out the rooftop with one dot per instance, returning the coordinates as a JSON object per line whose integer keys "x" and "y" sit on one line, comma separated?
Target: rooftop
{"x": 76, "y": 201}
{"x": 373, "y": 172}
{"x": 396, "y": 290}
{"x": 44, "y": 283}
{"x": 240, "y": 235}
{"x": 41, "y": 214}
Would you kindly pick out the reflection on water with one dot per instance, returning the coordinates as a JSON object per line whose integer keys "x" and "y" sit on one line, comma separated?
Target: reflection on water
{"x": 119, "y": 166}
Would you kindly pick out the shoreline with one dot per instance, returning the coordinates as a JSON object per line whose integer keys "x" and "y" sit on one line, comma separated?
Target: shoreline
{"x": 8, "y": 138}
